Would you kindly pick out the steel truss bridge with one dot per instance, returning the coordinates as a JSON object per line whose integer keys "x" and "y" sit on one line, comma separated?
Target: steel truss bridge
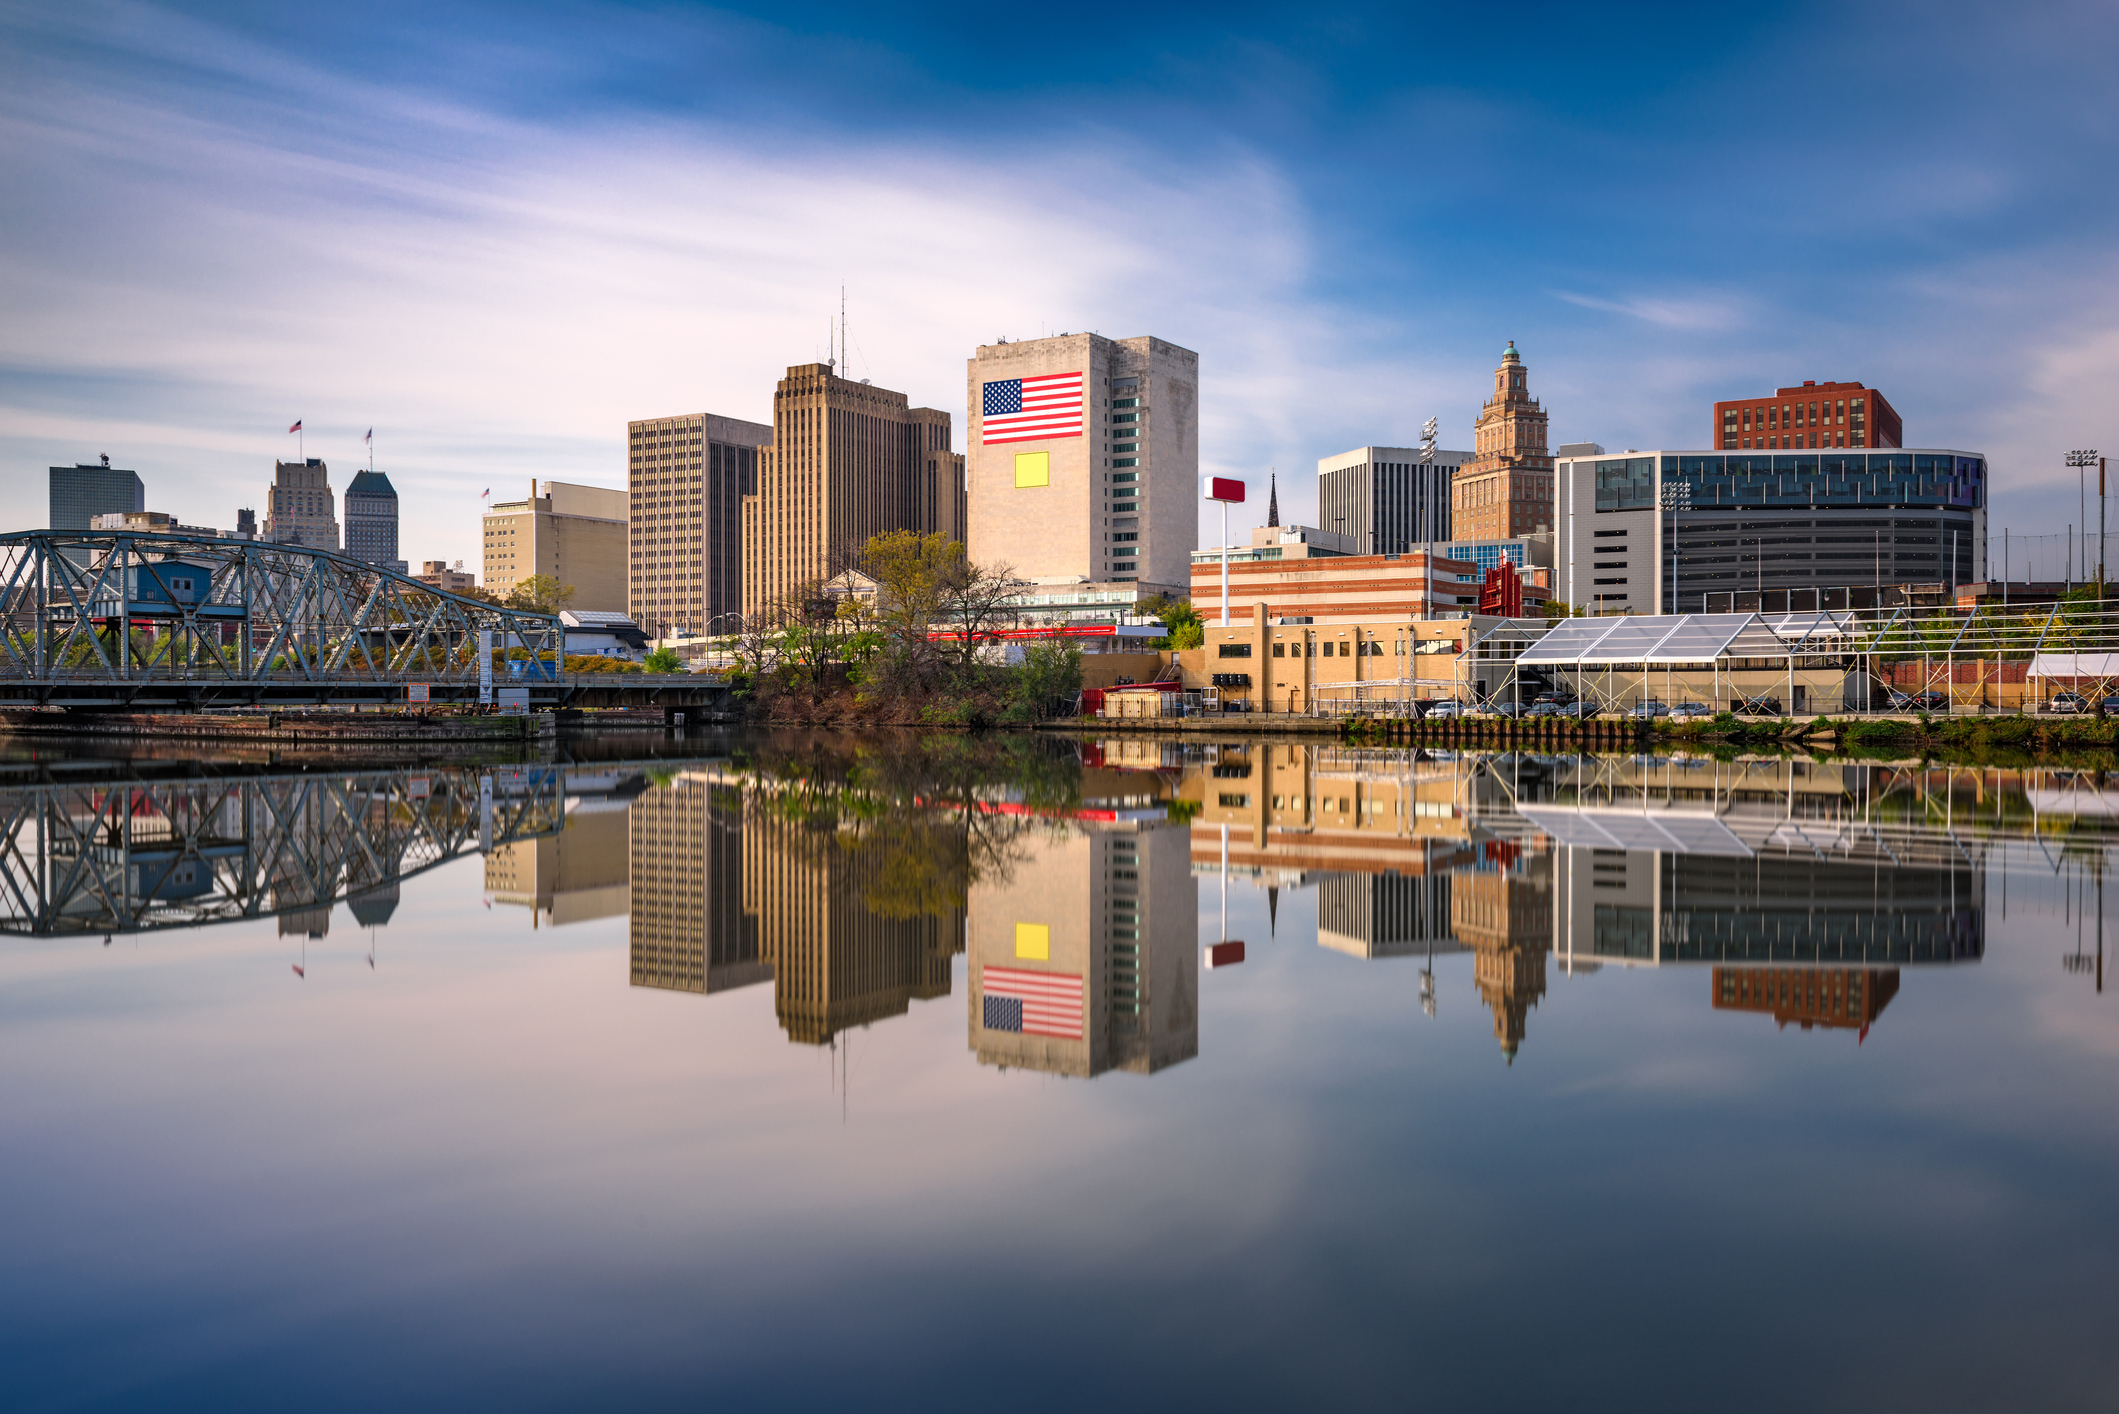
{"x": 122, "y": 848}
{"x": 135, "y": 621}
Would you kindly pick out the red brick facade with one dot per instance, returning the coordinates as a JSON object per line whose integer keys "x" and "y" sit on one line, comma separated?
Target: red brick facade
{"x": 1813, "y": 415}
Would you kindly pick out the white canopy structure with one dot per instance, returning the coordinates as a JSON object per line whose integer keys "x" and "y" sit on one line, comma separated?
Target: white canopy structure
{"x": 1660, "y": 638}
{"x": 2074, "y": 665}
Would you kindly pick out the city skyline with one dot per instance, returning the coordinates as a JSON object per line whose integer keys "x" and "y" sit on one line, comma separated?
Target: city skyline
{"x": 391, "y": 232}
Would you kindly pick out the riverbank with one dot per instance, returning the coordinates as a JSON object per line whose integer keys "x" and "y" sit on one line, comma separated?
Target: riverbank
{"x": 2033, "y": 736}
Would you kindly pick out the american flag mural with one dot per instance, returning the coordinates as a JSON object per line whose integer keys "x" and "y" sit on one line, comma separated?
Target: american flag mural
{"x": 1030, "y": 409}
{"x": 1033, "y": 1003}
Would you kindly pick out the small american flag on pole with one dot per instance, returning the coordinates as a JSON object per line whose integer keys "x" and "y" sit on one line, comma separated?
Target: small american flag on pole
{"x": 296, "y": 428}
{"x": 1033, "y": 1003}
{"x": 1031, "y": 409}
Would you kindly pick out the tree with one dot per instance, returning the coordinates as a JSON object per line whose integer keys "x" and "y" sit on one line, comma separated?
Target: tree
{"x": 662, "y": 660}
{"x": 540, "y": 593}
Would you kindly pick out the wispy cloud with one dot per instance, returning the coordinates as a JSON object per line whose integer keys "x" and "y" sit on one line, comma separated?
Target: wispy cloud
{"x": 1715, "y": 314}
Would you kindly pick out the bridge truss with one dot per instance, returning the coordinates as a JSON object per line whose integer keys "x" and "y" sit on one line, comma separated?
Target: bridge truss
{"x": 143, "y": 855}
{"x": 111, "y": 617}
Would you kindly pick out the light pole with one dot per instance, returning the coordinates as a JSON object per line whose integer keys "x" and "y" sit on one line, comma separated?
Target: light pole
{"x": 2082, "y": 461}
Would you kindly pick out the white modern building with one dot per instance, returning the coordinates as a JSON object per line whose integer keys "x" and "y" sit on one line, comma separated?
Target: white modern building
{"x": 1385, "y": 498}
{"x": 1665, "y": 532}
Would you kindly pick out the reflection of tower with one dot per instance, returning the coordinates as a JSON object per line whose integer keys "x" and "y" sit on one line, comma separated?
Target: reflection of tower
{"x": 1083, "y": 956}
{"x": 1842, "y": 998}
{"x": 689, "y": 930}
{"x": 1501, "y": 908}
{"x": 837, "y": 961}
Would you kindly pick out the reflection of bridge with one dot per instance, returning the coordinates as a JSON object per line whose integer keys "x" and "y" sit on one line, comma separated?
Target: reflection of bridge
{"x": 117, "y": 849}
{"x": 187, "y": 622}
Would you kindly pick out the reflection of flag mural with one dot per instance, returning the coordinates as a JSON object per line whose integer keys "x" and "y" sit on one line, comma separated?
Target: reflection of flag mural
{"x": 1033, "y": 1003}
{"x": 1030, "y": 409}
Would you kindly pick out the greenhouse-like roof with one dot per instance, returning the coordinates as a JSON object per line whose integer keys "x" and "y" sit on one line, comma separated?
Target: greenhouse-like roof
{"x": 1659, "y": 638}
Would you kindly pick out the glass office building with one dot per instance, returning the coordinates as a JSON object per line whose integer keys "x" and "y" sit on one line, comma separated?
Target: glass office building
{"x": 1684, "y": 532}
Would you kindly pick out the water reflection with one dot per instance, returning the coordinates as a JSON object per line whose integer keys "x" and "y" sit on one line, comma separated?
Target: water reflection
{"x": 850, "y": 874}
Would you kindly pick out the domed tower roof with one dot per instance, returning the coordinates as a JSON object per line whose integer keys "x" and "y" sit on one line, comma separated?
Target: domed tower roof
{"x": 1510, "y": 355}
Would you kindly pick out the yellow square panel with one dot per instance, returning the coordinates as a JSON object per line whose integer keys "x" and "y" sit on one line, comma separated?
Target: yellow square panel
{"x": 1033, "y": 940}
{"x": 1033, "y": 469}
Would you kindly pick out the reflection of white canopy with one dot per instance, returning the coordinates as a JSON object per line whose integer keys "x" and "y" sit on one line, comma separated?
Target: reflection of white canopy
{"x": 1659, "y": 638}
{"x": 2075, "y": 800}
{"x": 2074, "y": 665}
{"x": 1672, "y": 832}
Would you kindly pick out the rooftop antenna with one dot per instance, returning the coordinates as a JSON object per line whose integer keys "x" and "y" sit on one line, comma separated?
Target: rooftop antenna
{"x": 842, "y": 323}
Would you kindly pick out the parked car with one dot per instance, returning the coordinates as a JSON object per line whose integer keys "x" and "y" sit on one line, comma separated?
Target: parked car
{"x": 1504, "y": 709}
{"x": 1649, "y": 710}
{"x": 1921, "y": 702}
{"x": 1543, "y": 707}
{"x": 1759, "y": 707}
{"x": 1442, "y": 711}
{"x": 1558, "y": 697}
{"x": 1577, "y": 710}
{"x": 2068, "y": 702}
{"x": 1691, "y": 709}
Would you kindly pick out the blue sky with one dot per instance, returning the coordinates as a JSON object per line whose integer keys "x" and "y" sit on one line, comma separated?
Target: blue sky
{"x": 495, "y": 233}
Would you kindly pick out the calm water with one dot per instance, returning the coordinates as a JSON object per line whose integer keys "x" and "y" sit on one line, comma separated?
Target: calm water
{"x": 788, "y": 1073}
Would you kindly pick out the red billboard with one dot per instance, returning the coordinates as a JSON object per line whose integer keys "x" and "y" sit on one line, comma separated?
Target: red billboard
{"x": 1224, "y": 488}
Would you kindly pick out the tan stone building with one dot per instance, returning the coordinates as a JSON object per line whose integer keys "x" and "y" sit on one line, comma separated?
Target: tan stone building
{"x": 847, "y": 461}
{"x": 1506, "y": 489}
{"x": 1083, "y": 460}
{"x": 686, "y": 478}
{"x": 576, "y": 875}
{"x": 1084, "y": 956}
{"x": 1505, "y": 916}
{"x": 1275, "y": 664}
{"x": 575, "y": 534}
{"x": 299, "y": 508}
{"x": 438, "y": 573}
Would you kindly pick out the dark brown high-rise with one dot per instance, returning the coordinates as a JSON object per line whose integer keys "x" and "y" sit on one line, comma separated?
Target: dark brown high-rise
{"x": 1812, "y": 415}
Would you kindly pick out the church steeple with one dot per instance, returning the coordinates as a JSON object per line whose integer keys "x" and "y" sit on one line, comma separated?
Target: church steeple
{"x": 1273, "y": 499}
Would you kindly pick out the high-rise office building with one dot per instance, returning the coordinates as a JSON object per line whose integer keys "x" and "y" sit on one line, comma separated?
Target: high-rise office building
{"x": 1811, "y": 416}
{"x": 848, "y": 461}
{"x": 1385, "y": 498}
{"x": 299, "y": 508}
{"x": 689, "y": 929}
{"x": 1083, "y": 459}
{"x": 371, "y": 521}
{"x": 687, "y": 477}
{"x": 81, "y": 492}
{"x": 574, "y": 534}
{"x": 1084, "y": 957}
{"x": 1506, "y": 489}
{"x": 246, "y": 523}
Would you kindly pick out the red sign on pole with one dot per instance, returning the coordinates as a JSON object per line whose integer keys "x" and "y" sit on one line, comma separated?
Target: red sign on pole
{"x": 1224, "y": 954}
{"x": 1224, "y": 488}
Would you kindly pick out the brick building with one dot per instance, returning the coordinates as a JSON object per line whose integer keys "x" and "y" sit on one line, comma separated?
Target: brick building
{"x": 1813, "y": 415}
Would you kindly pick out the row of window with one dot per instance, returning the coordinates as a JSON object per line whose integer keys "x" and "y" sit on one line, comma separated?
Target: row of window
{"x": 1775, "y": 416}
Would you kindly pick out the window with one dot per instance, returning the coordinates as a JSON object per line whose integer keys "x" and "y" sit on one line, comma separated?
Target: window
{"x": 1125, "y": 417}
{"x": 1125, "y": 402}
{"x": 1236, "y": 802}
{"x": 1125, "y": 476}
{"x": 1127, "y": 461}
{"x": 1280, "y": 650}
{"x": 1234, "y": 650}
